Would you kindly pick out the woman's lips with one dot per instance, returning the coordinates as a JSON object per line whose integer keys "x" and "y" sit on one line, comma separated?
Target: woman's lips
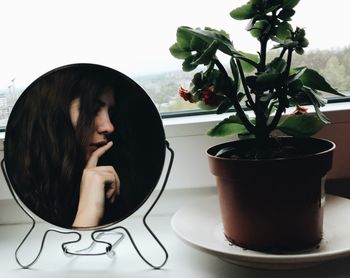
{"x": 96, "y": 145}
{"x": 99, "y": 144}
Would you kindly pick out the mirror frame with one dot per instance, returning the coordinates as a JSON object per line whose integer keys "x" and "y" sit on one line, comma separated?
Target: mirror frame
{"x": 142, "y": 120}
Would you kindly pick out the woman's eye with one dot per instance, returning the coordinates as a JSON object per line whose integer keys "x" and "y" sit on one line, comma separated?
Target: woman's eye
{"x": 97, "y": 110}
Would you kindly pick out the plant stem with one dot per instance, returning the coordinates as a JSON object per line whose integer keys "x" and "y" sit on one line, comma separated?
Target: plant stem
{"x": 281, "y": 106}
{"x": 262, "y": 135}
{"x": 261, "y": 122}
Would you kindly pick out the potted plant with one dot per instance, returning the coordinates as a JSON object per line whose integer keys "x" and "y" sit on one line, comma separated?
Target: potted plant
{"x": 269, "y": 186}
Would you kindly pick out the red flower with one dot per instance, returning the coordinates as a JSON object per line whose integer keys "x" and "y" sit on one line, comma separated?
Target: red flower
{"x": 299, "y": 110}
{"x": 209, "y": 97}
{"x": 186, "y": 95}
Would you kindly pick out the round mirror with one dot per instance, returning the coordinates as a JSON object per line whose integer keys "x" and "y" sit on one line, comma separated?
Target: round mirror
{"x": 84, "y": 146}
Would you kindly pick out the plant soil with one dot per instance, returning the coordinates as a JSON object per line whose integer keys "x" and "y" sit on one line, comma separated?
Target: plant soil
{"x": 275, "y": 148}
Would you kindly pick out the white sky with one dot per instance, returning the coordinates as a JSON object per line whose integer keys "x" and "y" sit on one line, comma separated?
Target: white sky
{"x": 133, "y": 36}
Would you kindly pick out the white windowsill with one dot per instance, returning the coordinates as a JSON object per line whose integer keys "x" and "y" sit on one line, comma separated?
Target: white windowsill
{"x": 196, "y": 125}
{"x": 183, "y": 260}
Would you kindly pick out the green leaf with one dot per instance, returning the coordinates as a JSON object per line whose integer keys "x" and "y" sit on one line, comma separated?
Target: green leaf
{"x": 299, "y": 50}
{"x": 321, "y": 116}
{"x": 318, "y": 98}
{"x": 304, "y": 125}
{"x": 284, "y": 31}
{"x": 244, "y": 136}
{"x": 183, "y": 38}
{"x": 188, "y": 65}
{"x": 272, "y": 7}
{"x": 290, "y": 4}
{"x": 314, "y": 80}
{"x": 295, "y": 86}
{"x": 178, "y": 52}
{"x": 317, "y": 101}
{"x": 258, "y": 28}
{"x": 277, "y": 65}
{"x": 295, "y": 73}
{"x": 209, "y": 35}
{"x": 244, "y": 12}
{"x": 304, "y": 42}
{"x": 288, "y": 43}
{"x": 212, "y": 77}
{"x": 198, "y": 44}
{"x": 249, "y": 61}
{"x": 299, "y": 34}
{"x": 208, "y": 54}
{"x": 269, "y": 80}
{"x": 286, "y": 14}
{"x": 197, "y": 81}
{"x": 222, "y": 83}
{"x": 227, "y": 127}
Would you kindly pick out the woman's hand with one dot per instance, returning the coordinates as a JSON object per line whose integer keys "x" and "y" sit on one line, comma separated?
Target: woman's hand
{"x": 98, "y": 183}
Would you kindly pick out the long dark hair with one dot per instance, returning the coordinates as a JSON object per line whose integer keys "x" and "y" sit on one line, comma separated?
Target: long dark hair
{"x": 45, "y": 154}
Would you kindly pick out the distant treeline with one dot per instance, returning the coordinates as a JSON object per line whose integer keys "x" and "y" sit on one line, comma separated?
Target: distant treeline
{"x": 333, "y": 64}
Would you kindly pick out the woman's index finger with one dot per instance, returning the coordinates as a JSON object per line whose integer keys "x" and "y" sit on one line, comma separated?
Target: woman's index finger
{"x": 93, "y": 160}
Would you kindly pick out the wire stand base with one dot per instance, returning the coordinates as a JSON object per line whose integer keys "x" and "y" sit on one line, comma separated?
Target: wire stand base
{"x": 95, "y": 235}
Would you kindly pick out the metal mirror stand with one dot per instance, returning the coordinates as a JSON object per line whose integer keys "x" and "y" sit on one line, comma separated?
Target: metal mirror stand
{"x": 96, "y": 235}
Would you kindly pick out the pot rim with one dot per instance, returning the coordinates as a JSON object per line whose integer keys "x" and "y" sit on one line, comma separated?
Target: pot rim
{"x": 262, "y": 160}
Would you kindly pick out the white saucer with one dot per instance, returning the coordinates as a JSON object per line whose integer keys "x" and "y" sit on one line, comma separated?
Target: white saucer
{"x": 199, "y": 225}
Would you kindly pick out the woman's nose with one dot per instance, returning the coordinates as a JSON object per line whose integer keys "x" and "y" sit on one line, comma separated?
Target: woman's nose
{"x": 104, "y": 124}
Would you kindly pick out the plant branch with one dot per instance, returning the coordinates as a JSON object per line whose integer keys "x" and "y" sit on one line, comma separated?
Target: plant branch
{"x": 282, "y": 52}
{"x": 239, "y": 110}
{"x": 244, "y": 84}
{"x": 263, "y": 49}
{"x": 289, "y": 62}
{"x": 270, "y": 107}
{"x": 278, "y": 114}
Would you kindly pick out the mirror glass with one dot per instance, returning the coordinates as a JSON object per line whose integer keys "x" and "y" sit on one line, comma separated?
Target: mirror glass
{"x": 84, "y": 146}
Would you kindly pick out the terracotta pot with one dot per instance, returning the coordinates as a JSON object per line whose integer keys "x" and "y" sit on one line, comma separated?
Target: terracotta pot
{"x": 274, "y": 205}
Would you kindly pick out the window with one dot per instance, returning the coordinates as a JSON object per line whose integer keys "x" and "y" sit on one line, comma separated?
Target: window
{"x": 134, "y": 37}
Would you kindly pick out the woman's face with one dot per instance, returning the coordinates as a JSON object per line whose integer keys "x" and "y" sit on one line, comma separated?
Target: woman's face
{"x": 102, "y": 125}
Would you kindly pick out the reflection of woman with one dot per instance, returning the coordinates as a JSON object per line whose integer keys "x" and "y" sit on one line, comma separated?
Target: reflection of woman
{"x": 66, "y": 136}
{"x": 98, "y": 182}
